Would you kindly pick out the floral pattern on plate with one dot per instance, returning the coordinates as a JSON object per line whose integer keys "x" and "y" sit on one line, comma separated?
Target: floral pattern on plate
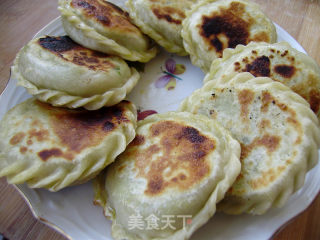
{"x": 169, "y": 80}
{"x": 143, "y": 114}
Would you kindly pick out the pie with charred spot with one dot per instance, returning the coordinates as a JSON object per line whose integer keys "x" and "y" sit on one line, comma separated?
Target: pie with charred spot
{"x": 61, "y": 72}
{"x": 213, "y": 25}
{"x": 278, "y": 61}
{"x": 50, "y": 147}
{"x": 162, "y": 21}
{"x": 103, "y": 26}
{"x": 179, "y": 164}
{"x": 278, "y": 133}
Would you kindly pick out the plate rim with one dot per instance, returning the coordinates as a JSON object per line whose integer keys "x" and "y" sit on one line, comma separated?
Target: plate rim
{"x": 35, "y": 212}
{"x": 38, "y": 217}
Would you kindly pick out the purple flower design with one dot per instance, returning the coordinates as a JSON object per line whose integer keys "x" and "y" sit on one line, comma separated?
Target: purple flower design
{"x": 169, "y": 79}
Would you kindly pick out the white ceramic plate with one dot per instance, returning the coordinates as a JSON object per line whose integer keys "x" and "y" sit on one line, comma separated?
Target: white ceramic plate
{"x": 71, "y": 211}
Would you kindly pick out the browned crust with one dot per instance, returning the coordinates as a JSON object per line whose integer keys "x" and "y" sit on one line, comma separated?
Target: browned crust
{"x": 73, "y": 131}
{"x": 245, "y": 98}
{"x": 229, "y": 23}
{"x": 105, "y": 13}
{"x": 169, "y": 14}
{"x": 178, "y": 160}
{"x": 261, "y": 66}
{"x": 65, "y": 48}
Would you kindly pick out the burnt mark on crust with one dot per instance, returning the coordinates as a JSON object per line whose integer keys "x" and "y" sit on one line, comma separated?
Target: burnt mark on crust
{"x": 77, "y": 130}
{"x": 285, "y": 53}
{"x": 118, "y": 112}
{"x": 58, "y": 44}
{"x": 86, "y": 5}
{"x": 104, "y": 20}
{"x": 260, "y": 67}
{"x": 314, "y": 100}
{"x": 170, "y": 14}
{"x": 48, "y": 153}
{"x": 227, "y": 24}
{"x": 155, "y": 185}
{"x": 285, "y": 71}
{"x": 228, "y": 28}
{"x": 106, "y": 13}
{"x": 108, "y": 126}
{"x": 93, "y": 9}
{"x": 245, "y": 60}
{"x": 178, "y": 159}
{"x": 237, "y": 66}
{"x": 291, "y": 59}
{"x": 234, "y": 30}
{"x": 217, "y": 44}
{"x": 65, "y": 48}
{"x": 23, "y": 149}
{"x": 92, "y": 61}
{"x": 191, "y": 134}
